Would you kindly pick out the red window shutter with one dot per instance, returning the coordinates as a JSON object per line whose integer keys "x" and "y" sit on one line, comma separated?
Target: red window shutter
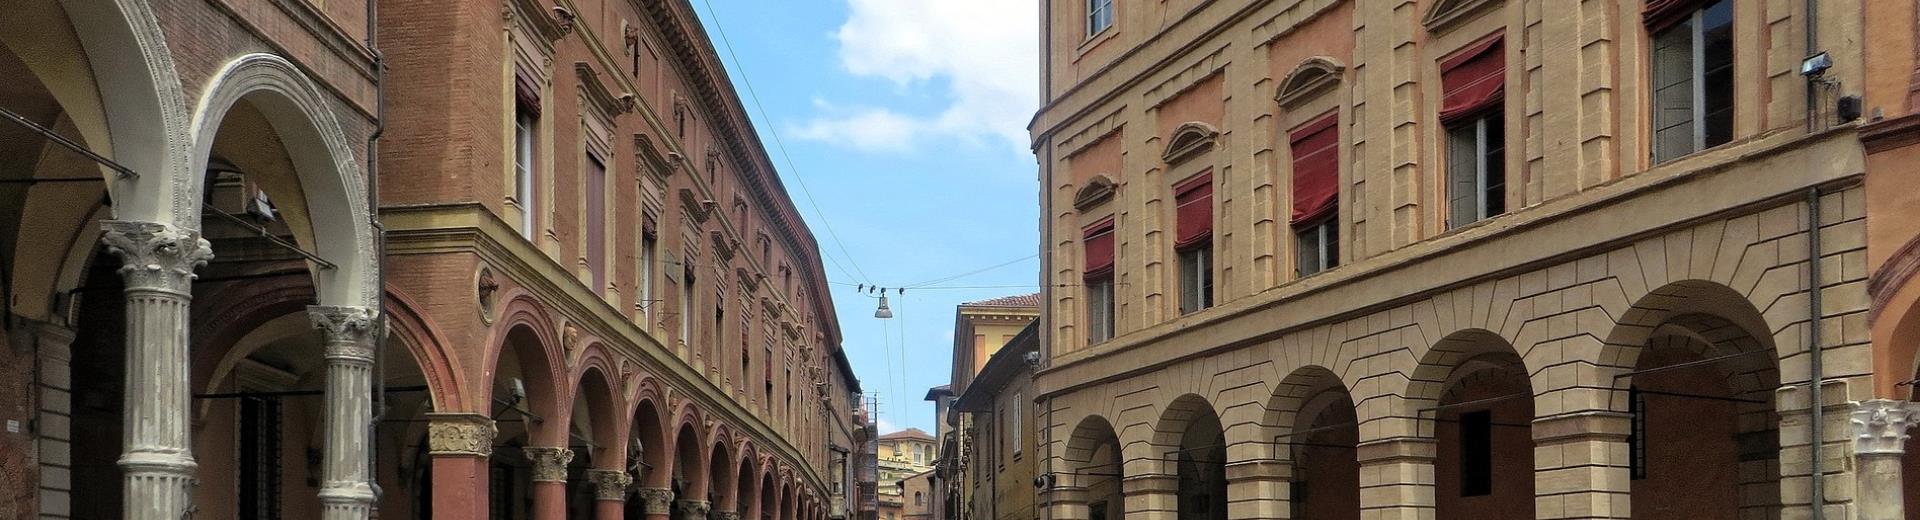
{"x": 1193, "y": 210}
{"x": 1660, "y": 14}
{"x": 526, "y": 92}
{"x": 1098, "y": 242}
{"x": 1316, "y": 169}
{"x": 1473, "y": 80}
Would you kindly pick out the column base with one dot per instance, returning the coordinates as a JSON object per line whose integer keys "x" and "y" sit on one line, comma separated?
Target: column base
{"x": 159, "y": 486}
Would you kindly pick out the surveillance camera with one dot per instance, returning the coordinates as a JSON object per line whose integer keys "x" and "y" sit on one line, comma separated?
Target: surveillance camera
{"x": 1816, "y": 65}
{"x": 1044, "y": 481}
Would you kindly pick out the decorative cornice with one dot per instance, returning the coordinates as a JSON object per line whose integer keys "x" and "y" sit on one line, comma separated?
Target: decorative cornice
{"x": 460, "y": 434}
{"x": 723, "y": 247}
{"x": 645, "y": 152}
{"x": 1444, "y": 14}
{"x": 1880, "y": 426}
{"x": 156, "y": 256}
{"x": 538, "y": 18}
{"x": 549, "y": 463}
{"x": 695, "y": 207}
{"x": 603, "y": 100}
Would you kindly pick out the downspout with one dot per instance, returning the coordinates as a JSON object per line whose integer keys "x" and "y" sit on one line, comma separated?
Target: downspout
{"x": 1816, "y": 483}
{"x": 379, "y": 246}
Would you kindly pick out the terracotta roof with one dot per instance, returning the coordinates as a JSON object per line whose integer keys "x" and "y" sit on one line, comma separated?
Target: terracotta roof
{"x": 1023, "y": 300}
{"x": 909, "y": 433}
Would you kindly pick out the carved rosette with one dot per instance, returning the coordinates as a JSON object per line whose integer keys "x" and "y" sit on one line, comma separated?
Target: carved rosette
{"x": 655, "y": 501}
{"x": 549, "y": 463}
{"x": 609, "y": 484}
{"x": 1880, "y": 426}
{"x": 460, "y": 434}
{"x": 694, "y": 509}
{"x": 156, "y": 256}
{"x": 350, "y": 332}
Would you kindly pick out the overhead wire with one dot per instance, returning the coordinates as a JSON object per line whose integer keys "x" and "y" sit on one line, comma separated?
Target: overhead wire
{"x": 792, "y": 168}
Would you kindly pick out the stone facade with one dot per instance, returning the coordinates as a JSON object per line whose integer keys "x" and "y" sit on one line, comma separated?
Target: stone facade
{"x": 1622, "y": 322}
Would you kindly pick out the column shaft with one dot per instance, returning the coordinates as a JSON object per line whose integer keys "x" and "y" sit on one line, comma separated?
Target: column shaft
{"x": 549, "y": 481}
{"x": 1580, "y": 466}
{"x": 459, "y": 444}
{"x": 349, "y": 335}
{"x": 1396, "y": 479}
{"x": 158, "y": 261}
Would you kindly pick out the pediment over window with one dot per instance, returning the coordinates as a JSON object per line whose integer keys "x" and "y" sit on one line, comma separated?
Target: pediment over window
{"x": 699, "y": 209}
{"x": 605, "y": 101}
{"x": 646, "y": 153}
{"x": 1188, "y": 140}
{"x": 1443, "y": 14}
{"x": 1313, "y": 76}
{"x": 1097, "y": 191}
{"x": 722, "y": 246}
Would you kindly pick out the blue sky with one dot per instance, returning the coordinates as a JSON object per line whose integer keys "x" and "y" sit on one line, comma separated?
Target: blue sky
{"x": 906, "y": 120}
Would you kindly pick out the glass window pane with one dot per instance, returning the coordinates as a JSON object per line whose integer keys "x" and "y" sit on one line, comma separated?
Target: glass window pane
{"x": 1494, "y": 185}
{"x": 1672, "y": 68}
{"x": 1716, "y": 39}
{"x": 1463, "y": 174}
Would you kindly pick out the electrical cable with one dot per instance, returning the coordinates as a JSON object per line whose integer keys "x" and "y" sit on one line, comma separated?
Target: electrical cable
{"x": 973, "y": 272}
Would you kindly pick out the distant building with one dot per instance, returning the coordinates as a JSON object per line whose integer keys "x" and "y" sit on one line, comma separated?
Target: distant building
{"x": 1000, "y": 479}
{"x": 902, "y": 454}
{"x": 980, "y": 329}
{"x": 916, "y": 496}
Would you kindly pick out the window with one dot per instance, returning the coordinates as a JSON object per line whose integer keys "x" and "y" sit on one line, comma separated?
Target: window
{"x": 1476, "y": 453}
{"x": 649, "y": 243}
{"x": 1692, "y": 72}
{"x": 1193, "y": 240}
{"x": 1098, "y": 276}
{"x": 260, "y": 457}
{"x": 1637, "y": 436}
{"x": 680, "y": 120}
{"x": 525, "y": 120}
{"x": 1019, "y": 421}
{"x": 686, "y": 302}
{"x": 1476, "y": 170}
{"x": 719, "y": 320}
{"x": 919, "y": 499}
{"x": 597, "y": 222}
{"x": 1316, "y": 186}
{"x": 1099, "y": 16}
{"x": 766, "y": 250}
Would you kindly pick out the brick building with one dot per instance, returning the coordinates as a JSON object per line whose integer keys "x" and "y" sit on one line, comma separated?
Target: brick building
{"x": 585, "y": 293}
{"x": 1476, "y": 258}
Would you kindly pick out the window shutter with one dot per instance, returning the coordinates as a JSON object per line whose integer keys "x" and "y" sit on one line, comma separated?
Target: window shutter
{"x": 1098, "y": 242}
{"x": 1193, "y": 208}
{"x": 1463, "y": 185}
{"x": 1672, "y": 70}
{"x": 1316, "y": 169}
{"x": 1473, "y": 80}
{"x": 597, "y": 221}
{"x": 526, "y": 92}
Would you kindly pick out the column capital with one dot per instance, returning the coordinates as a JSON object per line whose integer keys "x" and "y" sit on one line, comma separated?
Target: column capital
{"x": 693, "y": 509}
{"x": 1586, "y": 425}
{"x": 1880, "y": 426}
{"x": 723, "y": 515}
{"x": 549, "y": 463}
{"x": 155, "y": 255}
{"x": 655, "y": 501}
{"x": 468, "y": 434}
{"x": 609, "y": 484}
{"x": 349, "y": 331}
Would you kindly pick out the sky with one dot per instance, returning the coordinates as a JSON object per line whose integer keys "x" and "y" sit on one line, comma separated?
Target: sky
{"x": 905, "y": 125}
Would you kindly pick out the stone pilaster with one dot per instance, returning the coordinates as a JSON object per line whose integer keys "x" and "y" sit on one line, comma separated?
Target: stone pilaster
{"x": 158, "y": 261}
{"x": 1151, "y": 497}
{"x": 1260, "y": 489}
{"x": 655, "y": 502}
{"x": 1396, "y": 478}
{"x": 693, "y": 509}
{"x": 1879, "y": 430}
{"x": 349, "y": 335}
{"x": 460, "y": 434}
{"x": 1067, "y": 502}
{"x": 609, "y": 484}
{"x": 549, "y": 463}
{"x": 1580, "y": 465}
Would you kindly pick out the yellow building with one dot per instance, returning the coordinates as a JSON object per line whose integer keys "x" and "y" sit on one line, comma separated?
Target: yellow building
{"x": 980, "y": 329}
{"x": 1469, "y": 258}
{"x": 903, "y": 454}
{"x": 999, "y": 480}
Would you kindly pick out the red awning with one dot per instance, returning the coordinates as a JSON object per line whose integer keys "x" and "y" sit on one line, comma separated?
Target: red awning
{"x": 1098, "y": 243}
{"x": 1661, "y": 14}
{"x": 1193, "y": 209}
{"x": 1316, "y": 169}
{"x": 1472, "y": 80}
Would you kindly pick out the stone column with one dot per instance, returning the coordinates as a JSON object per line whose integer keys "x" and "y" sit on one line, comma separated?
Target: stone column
{"x": 158, "y": 263}
{"x": 1396, "y": 478}
{"x": 609, "y": 493}
{"x": 549, "y": 481}
{"x": 1067, "y": 502}
{"x": 656, "y": 503}
{"x": 1151, "y": 497}
{"x": 1259, "y": 489}
{"x": 459, "y": 444}
{"x": 693, "y": 509}
{"x": 349, "y": 335}
{"x": 1580, "y": 466}
{"x": 1879, "y": 440}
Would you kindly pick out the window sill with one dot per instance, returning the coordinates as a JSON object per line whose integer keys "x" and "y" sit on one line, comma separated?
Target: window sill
{"x": 1093, "y": 42}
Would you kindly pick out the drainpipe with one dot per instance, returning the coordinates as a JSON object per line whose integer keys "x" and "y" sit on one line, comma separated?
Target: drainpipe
{"x": 379, "y": 246}
{"x": 1817, "y": 479}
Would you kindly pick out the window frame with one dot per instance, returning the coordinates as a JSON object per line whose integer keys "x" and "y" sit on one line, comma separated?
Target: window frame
{"x": 1100, "y": 17}
{"x": 526, "y": 123}
{"x": 1325, "y": 245}
{"x": 1487, "y": 167}
{"x": 1698, "y": 116}
{"x": 1100, "y": 309}
{"x": 1196, "y": 277}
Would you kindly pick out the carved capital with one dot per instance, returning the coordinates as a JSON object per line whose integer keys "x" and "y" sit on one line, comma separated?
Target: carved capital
{"x": 723, "y": 515}
{"x": 1880, "y": 426}
{"x": 350, "y": 332}
{"x": 460, "y": 434}
{"x": 655, "y": 501}
{"x": 609, "y": 484}
{"x": 693, "y": 509}
{"x": 549, "y": 463}
{"x": 156, "y": 256}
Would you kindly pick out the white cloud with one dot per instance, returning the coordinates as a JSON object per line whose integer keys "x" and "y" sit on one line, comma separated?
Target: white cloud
{"x": 885, "y": 426}
{"x": 983, "y": 52}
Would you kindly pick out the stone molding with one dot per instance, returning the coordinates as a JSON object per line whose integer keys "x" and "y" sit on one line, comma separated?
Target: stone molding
{"x": 609, "y": 484}
{"x": 155, "y": 255}
{"x": 350, "y": 332}
{"x": 693, "y": 509}
{"x": 549, "y": 463}
{"x": 1405, "y": 449}
{"x": 655, "y": 501}
{"x": 460, "y": 434}
{"x": 1880, "y": 426}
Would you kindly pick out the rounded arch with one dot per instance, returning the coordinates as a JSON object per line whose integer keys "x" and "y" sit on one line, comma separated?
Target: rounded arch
{"x": 647, "y": 447}
{"x": 1291, "y": 396}
{"x": 331, "y": 191}
{"x": 601, "y": 426}
{"x": 1310, "y": 77}
{"x": 525, "y": 327}
{"x": 1191, "y": 446}
{"x": 690, "y": 458}
{"x": 1094, "y": 464}
{"x": 446, "y": 388}
{"x": 746, "y": 472}
{"x": 720, "y": 468}
{"x": 1471, "y": 393}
